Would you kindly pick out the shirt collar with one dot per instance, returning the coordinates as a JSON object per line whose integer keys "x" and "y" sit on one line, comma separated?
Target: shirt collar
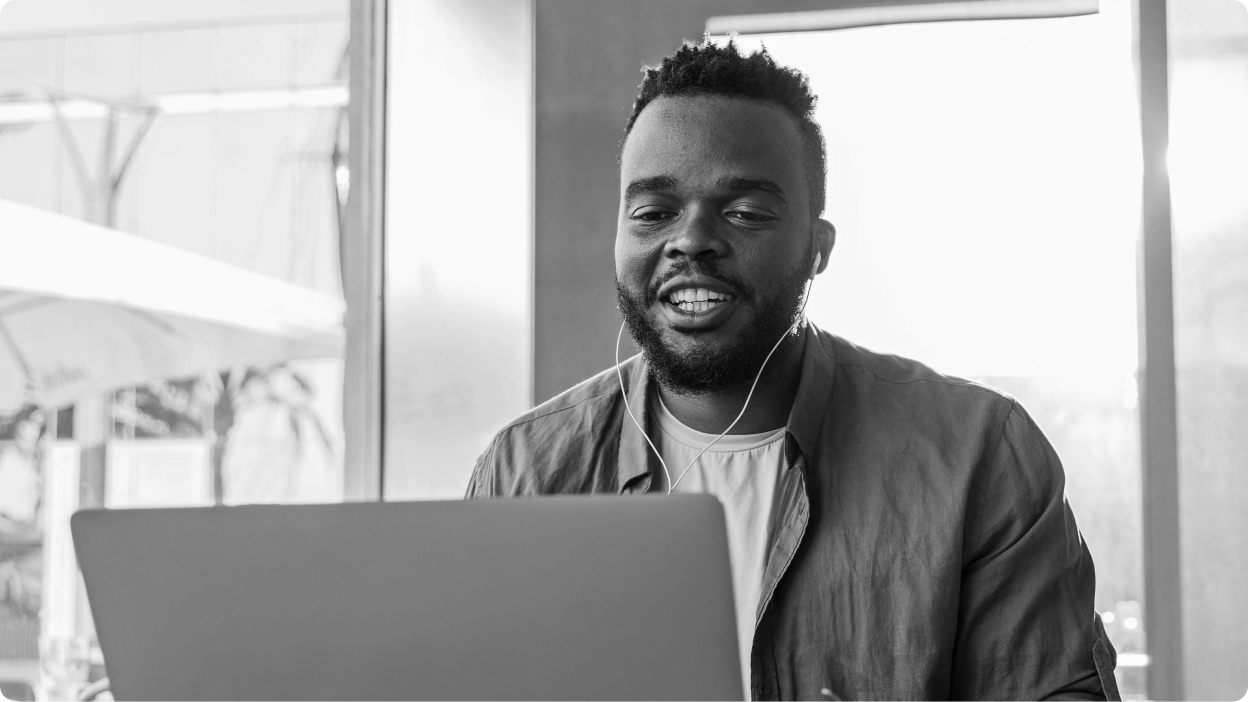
{"x": 814, "y": 395}
{"x": 635, "y": 457}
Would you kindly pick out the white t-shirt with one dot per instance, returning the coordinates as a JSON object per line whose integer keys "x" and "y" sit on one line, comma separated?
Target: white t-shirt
{"x": 742, "y": 471}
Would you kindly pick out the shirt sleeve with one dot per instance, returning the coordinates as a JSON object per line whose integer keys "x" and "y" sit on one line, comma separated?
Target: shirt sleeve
{"x": 482, "y": 484}
{"x": 1027, "y": 625}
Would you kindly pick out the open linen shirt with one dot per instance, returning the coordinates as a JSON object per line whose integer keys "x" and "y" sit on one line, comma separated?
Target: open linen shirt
{"x": 923, "y": 547}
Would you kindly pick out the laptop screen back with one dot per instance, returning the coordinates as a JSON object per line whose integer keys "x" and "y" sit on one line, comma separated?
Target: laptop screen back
{"x": 539, "y": 598}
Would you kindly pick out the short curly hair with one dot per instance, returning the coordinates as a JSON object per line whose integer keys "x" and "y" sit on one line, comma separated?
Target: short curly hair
{"x": 712, "y": 69}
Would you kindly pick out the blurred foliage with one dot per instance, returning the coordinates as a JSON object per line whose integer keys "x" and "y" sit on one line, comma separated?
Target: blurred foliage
{"x": 162, "y": 409}
{"x": 209, "y": 405}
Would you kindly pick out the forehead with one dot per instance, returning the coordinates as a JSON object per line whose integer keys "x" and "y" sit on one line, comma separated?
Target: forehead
{"x": 695, "y": 137}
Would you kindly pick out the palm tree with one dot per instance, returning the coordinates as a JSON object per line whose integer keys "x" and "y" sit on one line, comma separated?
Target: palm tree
{"x": 209, "y": 405}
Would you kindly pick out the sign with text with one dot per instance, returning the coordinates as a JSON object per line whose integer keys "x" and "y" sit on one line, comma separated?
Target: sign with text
{"x": 159, "y": 473}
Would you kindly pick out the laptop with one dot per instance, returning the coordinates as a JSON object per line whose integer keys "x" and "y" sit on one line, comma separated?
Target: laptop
{"x": 585, "y": 597}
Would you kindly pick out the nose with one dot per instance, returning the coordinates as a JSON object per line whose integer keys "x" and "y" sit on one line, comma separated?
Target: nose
{"x": 696, "y": 236}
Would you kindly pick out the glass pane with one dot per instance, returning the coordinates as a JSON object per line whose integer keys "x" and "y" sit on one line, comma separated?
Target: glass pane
{"x": 983, "y": 177}
{"x": 458, "y": 297}
{"x": 1209, "y": 175}
{"x": 184, "y": 347}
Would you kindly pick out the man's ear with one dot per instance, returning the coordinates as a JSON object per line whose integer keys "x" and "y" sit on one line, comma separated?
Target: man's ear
{"x": 825, "y": 239}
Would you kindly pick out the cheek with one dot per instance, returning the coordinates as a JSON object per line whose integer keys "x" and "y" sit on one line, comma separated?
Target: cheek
{"x": 770, "y": 269}
{"x": 635, "y": 261}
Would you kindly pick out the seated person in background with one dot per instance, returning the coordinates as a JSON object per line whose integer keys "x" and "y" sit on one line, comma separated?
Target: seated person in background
{"x": 895, "y": 533}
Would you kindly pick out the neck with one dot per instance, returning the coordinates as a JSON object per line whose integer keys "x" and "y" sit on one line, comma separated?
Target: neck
{"x": 711, "y": 412}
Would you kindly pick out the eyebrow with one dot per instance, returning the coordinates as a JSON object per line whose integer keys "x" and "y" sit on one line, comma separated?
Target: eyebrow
{"x": 649, "y": 185}
{"x": 747, "y": 184}
{"x": 732, "y": 184}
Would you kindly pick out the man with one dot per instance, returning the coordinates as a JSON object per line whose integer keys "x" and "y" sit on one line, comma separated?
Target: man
{"x": 895, "y": 533}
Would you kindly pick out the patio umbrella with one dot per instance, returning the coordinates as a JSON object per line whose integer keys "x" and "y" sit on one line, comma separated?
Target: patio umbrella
{"x": 85, "y": 309}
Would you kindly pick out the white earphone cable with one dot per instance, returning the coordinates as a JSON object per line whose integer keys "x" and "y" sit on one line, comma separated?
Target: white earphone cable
{"x": 671, "y": 485}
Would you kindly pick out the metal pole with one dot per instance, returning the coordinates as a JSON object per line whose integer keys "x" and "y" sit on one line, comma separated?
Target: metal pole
{"x": 93, "y": 418}
{"x": 1163, "y": 611}
{"x": 105, "y": 192}
{"x": 361, "y": 251}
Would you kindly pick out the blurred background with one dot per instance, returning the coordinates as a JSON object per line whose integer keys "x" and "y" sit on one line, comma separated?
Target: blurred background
{"x": 321, "y": 250}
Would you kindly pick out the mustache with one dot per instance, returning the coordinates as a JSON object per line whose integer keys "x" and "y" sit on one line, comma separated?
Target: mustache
{"x": 710, "y": 269}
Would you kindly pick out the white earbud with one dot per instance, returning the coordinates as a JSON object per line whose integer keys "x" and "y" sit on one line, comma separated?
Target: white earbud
{"x": 814, "y": 270}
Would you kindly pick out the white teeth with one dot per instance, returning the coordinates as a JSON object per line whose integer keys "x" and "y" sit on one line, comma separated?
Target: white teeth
{"x": 698, "y": 306}
{"x": 696, "y": 295}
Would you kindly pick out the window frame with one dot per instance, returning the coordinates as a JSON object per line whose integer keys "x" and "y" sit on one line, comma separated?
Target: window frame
{"x": 362, "y": 249}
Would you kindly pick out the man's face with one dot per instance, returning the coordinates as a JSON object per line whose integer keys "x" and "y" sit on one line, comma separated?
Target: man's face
{"x": 715, "y": 239}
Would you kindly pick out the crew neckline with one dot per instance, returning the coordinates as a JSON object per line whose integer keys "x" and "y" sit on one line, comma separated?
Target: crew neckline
{"x": 691, "y": 438}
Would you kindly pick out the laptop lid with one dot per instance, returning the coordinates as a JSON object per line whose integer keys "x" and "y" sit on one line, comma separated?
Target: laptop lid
{"x": 587, "y": 597}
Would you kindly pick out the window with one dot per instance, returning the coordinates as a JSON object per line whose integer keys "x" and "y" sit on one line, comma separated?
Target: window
{"x": 984, "y": 181}
{"x": 201, "y": 163}
{"x": 1208, "y": 159}
{"x": 458, "y": 272}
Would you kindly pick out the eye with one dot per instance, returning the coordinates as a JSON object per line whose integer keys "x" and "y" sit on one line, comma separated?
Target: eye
{"x": 652, "y": 215}
{"x": 749, "y": 215}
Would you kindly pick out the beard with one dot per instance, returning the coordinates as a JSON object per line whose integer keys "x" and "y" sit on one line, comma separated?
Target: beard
{"x": 702, "y": 367}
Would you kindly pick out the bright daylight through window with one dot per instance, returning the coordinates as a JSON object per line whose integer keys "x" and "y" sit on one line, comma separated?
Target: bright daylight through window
{"x": 172, "y": 335}
{"x": 998, "y": 199}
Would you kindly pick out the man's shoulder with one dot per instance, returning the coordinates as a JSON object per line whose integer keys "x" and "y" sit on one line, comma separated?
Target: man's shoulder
{"x": 559, "y": 446}
{"x": 901, "y": 401}
{"x": 871, "y": 372}
{"x": 957, "y": 426}
{"x": 590, "y": 397}
{"x": 900, "y": 422}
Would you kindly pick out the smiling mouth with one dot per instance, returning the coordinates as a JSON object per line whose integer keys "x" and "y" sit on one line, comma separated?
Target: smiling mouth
{"x": 697, "y": 300}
